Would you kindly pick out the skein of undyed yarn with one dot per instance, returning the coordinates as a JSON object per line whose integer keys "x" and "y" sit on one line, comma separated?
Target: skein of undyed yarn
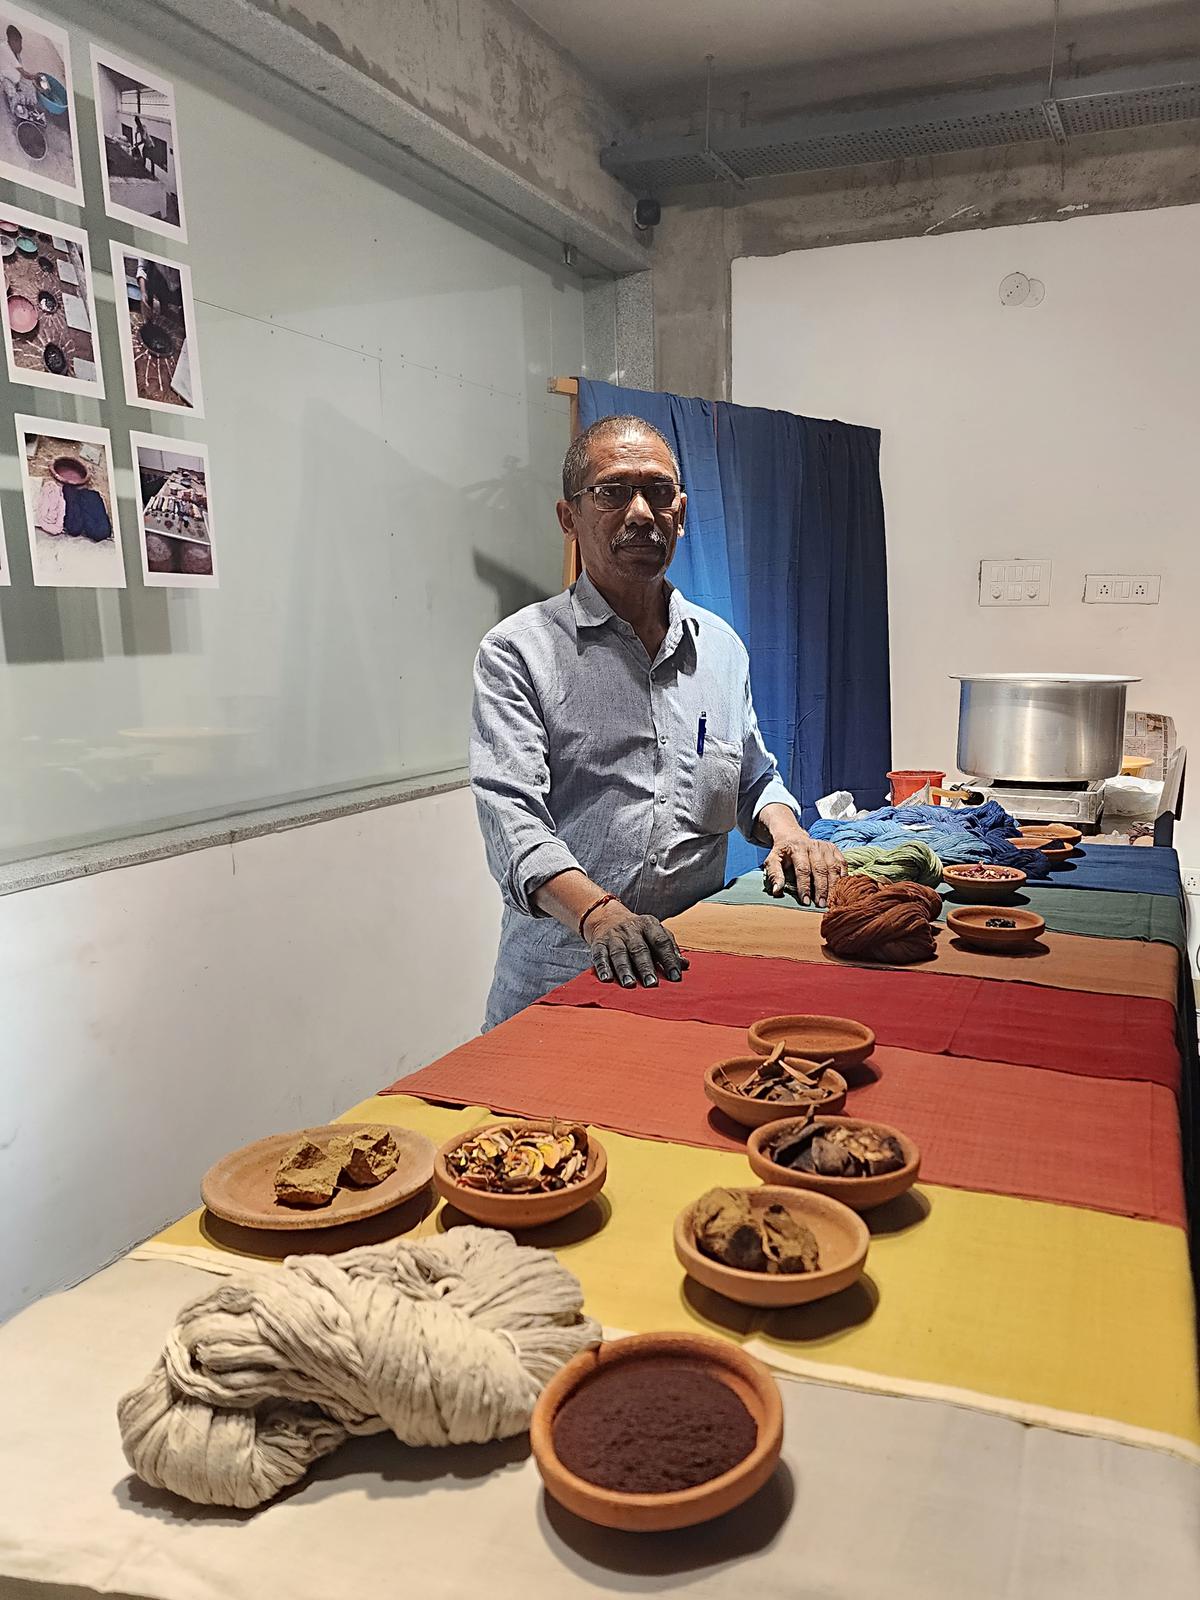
{"x": 444, "y": 1341}
{"x": 889, "y": 922}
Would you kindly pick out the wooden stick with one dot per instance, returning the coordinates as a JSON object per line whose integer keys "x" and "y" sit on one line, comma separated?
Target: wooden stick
{"x": 572, "y": 566}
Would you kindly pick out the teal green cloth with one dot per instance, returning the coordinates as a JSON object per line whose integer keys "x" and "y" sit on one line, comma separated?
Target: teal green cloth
{"x": 1098, "y": 913}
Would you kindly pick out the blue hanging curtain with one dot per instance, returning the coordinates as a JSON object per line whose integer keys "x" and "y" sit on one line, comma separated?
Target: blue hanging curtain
{"x": 785, "y": 540}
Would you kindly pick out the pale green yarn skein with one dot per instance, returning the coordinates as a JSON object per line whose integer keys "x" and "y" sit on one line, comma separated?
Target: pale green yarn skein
{"x": 911, "y": 862}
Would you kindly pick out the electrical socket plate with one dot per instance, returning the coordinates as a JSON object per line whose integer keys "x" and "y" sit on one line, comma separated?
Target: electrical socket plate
{"x": 1019, "y": 582}
{"x": 1122, "y": 589}
{"x": 1191, "y": 880}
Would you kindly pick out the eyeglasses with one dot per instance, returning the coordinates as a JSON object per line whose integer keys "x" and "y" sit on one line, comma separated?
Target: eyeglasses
{"x": 660, "y": 494}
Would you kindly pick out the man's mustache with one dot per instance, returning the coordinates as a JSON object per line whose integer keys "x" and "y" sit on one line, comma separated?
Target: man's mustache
{"x": 651, "y": 535}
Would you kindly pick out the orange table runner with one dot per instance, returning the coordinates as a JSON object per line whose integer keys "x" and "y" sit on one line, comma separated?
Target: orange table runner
{"x": 1058, "y": 960}
{"x": 983, "y": 1125}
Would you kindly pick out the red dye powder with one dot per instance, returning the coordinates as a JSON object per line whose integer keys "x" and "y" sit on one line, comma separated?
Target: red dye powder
{"x": 650, "y": 1427}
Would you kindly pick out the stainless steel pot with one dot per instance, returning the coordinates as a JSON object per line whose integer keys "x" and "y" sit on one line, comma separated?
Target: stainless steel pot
{"x": 1041, "y": 727}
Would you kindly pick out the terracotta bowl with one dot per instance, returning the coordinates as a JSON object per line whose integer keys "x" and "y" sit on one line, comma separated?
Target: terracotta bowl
{"x": 970, "y": 923}
{"x": 754, "y": 1113}
{"x": 842, "y": 1240}
{"x": 1053, "y": 830}
{"x": 837, "y": 1040}
{"x": 1052, "y": 849}
{"x": 967, "y": 887}
{"x": 519, "y": 1210}
{"x": 860, "y": 1194}
{"x": 69, "y": 469}
{"x": 681, "y": 1508}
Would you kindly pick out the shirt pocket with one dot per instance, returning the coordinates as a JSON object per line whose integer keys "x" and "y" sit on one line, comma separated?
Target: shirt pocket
{"x": 708, "y": 788}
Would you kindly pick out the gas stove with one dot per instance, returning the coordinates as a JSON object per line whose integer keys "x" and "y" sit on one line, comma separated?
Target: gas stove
{"x": 1075, "y": 803}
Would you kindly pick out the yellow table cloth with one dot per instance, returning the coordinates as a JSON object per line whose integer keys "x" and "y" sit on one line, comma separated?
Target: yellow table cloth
{"x": 1037, "y": 1311}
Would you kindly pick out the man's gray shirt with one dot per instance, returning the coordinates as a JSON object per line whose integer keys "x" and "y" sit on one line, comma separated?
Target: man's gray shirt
{"x": 584, "y": 754}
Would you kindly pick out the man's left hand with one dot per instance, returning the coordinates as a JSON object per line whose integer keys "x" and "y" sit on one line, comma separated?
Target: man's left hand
{"x": 804, "y": 866}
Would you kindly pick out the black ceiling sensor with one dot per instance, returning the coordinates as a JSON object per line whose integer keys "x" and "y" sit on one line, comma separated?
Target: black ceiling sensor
{"x": 647, "y": 213}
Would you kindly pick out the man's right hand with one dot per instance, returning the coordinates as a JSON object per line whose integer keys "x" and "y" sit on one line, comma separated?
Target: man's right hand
{"x": 628, "y": 948}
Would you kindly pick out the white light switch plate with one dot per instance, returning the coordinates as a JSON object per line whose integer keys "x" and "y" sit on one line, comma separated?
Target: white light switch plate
{"x": 1122, "y": 588}
{"x": 1014, "y": 583}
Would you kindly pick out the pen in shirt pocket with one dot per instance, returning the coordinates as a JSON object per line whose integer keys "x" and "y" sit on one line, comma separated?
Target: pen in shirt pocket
{"x": 700, "y": 727}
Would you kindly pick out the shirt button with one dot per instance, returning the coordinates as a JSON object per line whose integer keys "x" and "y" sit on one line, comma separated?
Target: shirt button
{"x": 654, "y": 858}
{"x": 662, "y": 799}
{"x": 662, "y": 738}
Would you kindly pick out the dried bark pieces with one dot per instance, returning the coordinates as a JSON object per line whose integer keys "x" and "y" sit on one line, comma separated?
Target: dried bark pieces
{"x": 729, "y": 1229}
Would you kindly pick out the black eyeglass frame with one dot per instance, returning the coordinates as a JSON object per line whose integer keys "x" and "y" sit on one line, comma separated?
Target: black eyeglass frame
{"x": 644, "y": 489}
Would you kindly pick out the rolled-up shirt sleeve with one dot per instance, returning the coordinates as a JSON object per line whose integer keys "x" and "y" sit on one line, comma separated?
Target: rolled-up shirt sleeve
{"x": 510, "y": 778}
{"x": 760, "y": 783}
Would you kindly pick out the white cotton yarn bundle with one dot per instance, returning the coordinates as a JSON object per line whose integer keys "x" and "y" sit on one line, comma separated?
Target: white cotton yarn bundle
{"x": 444, "y": 1341}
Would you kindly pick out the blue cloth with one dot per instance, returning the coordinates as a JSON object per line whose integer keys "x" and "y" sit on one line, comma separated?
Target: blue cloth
{"x": 1134, "y": 869}
{"x": 85, "y": 514}
{"x": 785, "y": 541}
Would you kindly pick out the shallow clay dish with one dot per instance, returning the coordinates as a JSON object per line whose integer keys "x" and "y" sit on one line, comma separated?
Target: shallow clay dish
{"x": 860, "y": 1194}
{"x": 519, "y": 1210}
{"x": 838, "y": 1040}
{"x": 967, "y": 887}
{"x": 680, "y": 1508}
{"x": 1053, "y": 830}
{"x": 1052, "y": 849}
{"x": 970, "y": 923}
{"x": 241, "y": 1186}
{"x": 754, "y": 1113}
{"x": 841, "y": 1236}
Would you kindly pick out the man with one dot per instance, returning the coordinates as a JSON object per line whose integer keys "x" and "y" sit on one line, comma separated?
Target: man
{"x": 15, "y": 77}
{"x": 614, "y": 743}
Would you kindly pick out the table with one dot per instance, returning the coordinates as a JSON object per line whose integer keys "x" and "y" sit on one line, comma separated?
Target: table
{"x": 1005, "y": 1405}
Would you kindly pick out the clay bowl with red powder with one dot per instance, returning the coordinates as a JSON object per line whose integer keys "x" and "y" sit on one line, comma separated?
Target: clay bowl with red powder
{"x": 495, "y": 1209}
{"x": 1011, "y": 927}
{"x": 860, "y": 1194}
{"x": 838, "y": 1040}
{"x": 751, "y": 1113}
{"x": 842, "y": 1240}
{"x": 981, "y": 881}
{"x": 658, "y": 1362}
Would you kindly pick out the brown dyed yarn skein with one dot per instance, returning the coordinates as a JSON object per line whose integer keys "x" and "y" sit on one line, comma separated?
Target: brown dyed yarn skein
{"x": 881, "y": 921}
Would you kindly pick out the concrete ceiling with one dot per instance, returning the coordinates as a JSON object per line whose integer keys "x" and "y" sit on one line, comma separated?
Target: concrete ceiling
{"x": 631, "y": 46}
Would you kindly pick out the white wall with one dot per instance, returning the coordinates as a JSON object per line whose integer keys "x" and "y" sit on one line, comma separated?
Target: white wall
{"x": 1066, "y": 431}
{"x": 157, "y": 1016}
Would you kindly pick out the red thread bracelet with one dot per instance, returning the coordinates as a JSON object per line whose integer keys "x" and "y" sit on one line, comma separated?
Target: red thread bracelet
{"x": 603, "y": 901}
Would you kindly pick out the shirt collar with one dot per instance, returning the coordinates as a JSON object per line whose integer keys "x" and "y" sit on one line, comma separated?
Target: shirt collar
{"x": 592, "y": 610}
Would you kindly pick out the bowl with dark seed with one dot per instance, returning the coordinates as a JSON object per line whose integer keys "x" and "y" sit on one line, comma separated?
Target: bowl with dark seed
{"x": 861, "y": 1163}
{"x": 997, "y": 928}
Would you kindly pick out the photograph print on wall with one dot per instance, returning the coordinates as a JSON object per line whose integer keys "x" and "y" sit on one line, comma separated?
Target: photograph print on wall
{"x": 50, "y": 304}
{"x": 175, "y": 526}
{"x": 5, "y": 573}
{"x": 156, "y": 318}
{"x": 70, "y": 505}
{"x": 139, "y": 148}
{"x": 39, "y": 136}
